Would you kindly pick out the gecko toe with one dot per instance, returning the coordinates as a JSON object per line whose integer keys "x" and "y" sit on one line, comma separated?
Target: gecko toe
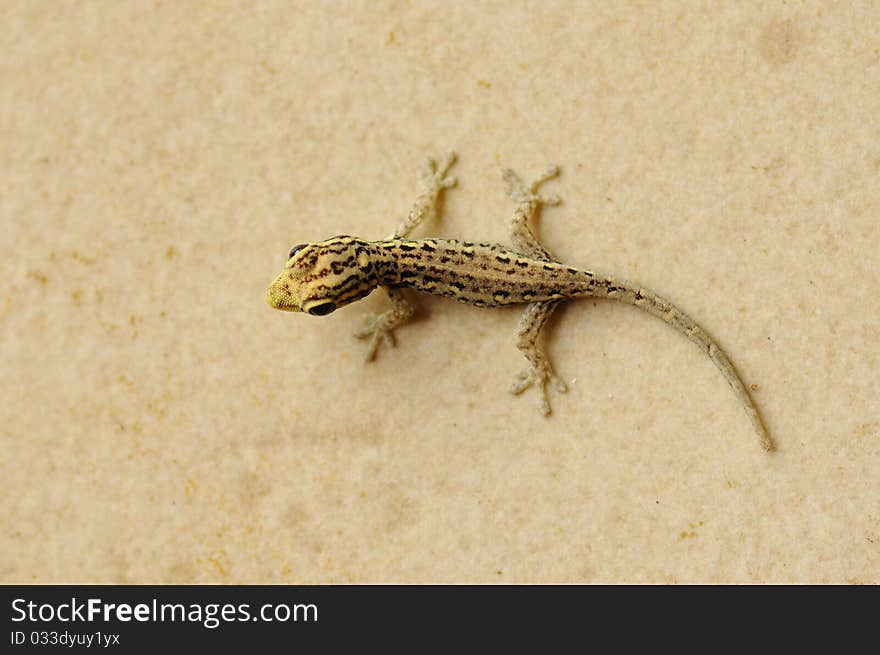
{"x": 561, "y": 387}
{"x": 545, "y": 404}
{"x": 370, "y": 353}
{"x": 520, "y": 385}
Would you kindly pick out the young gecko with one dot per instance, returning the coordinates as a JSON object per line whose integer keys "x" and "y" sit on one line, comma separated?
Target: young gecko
{"x": 323, "y": 276}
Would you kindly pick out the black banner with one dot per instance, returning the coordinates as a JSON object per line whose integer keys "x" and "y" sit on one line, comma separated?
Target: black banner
{"x": 146, "y": 618}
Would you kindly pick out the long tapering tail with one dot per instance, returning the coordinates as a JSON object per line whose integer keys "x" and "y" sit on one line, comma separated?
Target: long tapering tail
{"x": 633, "y": 294}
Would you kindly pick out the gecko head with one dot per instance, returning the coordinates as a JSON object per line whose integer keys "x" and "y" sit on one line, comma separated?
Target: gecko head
{"x": 323, "y": 276}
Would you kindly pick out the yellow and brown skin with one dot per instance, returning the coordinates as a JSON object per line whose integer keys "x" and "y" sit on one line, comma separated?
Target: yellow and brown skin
{"x": 323, "y": 276}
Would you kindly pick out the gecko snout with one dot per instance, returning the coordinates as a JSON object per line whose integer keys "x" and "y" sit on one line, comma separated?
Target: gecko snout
{"x": 280, "y": 294}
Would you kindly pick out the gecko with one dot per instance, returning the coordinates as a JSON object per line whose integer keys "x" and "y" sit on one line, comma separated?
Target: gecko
{"x": 323, "y": 276}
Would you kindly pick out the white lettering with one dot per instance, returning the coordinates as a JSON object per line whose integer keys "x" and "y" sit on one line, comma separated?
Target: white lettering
{"x": 15, "y": 607}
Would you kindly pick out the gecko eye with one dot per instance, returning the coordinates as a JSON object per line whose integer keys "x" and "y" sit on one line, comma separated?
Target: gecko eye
{"x": 295, "y": 250}
{"x": 323, "y": 309}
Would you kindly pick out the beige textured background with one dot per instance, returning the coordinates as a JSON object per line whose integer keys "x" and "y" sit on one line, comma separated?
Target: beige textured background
{"x": 160, "y": 423}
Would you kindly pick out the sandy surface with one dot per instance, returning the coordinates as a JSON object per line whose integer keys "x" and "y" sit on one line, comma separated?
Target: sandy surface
{"x": 159, "y": 423}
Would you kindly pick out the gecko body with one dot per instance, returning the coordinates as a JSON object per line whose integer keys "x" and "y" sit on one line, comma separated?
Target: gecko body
{"x": 322, "y": 276}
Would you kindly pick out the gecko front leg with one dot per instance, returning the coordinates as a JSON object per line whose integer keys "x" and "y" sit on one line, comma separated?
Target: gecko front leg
{"x": 540, "y": 370}
{"x": 432, "y": 180}
{"x": 379, "y": 327}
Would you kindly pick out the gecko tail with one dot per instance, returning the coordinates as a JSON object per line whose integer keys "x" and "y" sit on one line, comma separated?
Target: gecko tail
{"x": 666, "y": 311}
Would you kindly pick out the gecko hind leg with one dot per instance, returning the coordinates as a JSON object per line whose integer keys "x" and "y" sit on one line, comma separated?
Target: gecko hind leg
{"x": 527, "y": 202}
{"x": 540, "y": 371}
